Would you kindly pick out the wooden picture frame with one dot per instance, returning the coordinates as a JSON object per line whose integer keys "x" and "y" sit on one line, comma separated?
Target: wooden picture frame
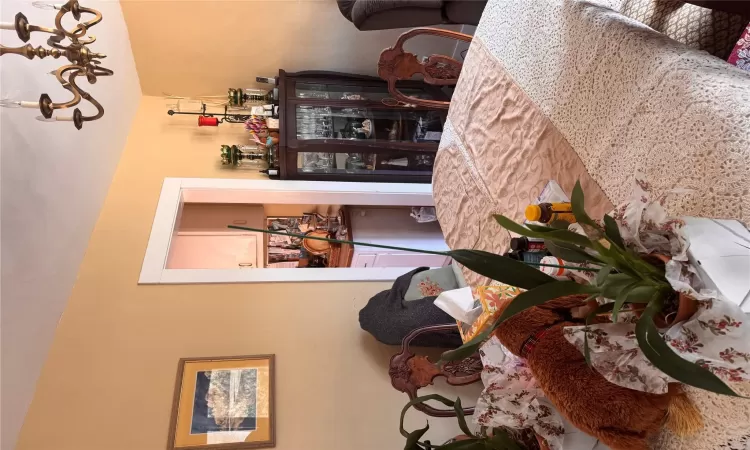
{"x": 199, "y": 395}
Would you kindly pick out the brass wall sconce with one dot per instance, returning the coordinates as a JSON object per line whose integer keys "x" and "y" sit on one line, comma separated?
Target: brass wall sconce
{"x": 83, "y": 62}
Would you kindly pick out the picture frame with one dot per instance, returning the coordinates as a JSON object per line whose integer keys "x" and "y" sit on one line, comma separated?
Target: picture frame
{"x": 283, "y": 249}
{"x": 223, "y": 403}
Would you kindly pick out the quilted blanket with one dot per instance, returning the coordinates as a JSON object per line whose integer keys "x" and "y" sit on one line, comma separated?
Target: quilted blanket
{"x": 572, "y": 90}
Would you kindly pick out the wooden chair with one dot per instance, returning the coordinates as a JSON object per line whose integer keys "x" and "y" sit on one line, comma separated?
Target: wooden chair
{"x": 410, "y": 372}
{"x": 395, "y": 64}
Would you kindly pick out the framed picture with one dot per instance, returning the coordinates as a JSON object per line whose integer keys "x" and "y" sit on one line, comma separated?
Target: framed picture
{"x": 282, "y": 249}
{"x": 223, "y": 404}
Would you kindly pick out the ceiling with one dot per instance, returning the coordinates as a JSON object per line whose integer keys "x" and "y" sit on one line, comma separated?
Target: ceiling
{"x": 54, "y": 181}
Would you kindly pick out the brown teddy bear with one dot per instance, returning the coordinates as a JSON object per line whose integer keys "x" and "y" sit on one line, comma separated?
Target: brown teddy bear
{"x": 621, "y": 418}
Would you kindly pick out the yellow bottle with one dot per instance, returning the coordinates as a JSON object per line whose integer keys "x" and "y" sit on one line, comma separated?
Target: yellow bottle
{"x": 550, "y": 212}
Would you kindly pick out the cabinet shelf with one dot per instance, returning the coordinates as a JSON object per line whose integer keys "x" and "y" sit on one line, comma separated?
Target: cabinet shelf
{"x": 336, "y": 127}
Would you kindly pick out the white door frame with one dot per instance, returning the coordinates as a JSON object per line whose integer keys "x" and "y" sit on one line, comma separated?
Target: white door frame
{"x": 176, "y": 191}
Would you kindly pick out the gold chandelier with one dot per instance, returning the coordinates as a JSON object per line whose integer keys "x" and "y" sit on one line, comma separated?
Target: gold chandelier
{"x": 72, "y": 44}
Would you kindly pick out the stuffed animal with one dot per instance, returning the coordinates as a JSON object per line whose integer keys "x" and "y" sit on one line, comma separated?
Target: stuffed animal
{"x": 621, "y": 418}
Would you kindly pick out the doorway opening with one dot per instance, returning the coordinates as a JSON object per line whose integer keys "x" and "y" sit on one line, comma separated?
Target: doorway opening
{"x": 191, "y": 243}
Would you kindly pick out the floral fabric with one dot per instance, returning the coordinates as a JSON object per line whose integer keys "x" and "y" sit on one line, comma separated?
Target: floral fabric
{"x": 429, "y": 288}
{"x": 717, "y": 337}
{"x": 740, "y": 56}
{"x": 490, "y": 298}
{"x": 645, "y": 226}
{"x": 512, "y": 397}
{"x": 615, "y": 354}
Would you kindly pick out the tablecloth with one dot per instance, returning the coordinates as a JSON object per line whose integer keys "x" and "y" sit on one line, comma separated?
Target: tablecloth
{"x": 572, "y": 90}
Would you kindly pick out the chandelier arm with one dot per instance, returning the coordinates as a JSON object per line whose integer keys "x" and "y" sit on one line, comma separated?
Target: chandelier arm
{"x": 80, "y": 29}
{"x": 69, "y": 85}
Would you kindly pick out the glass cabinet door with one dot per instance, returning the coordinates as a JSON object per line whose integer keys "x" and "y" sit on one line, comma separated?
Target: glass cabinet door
{"x": 323, "y": 91}
{"x": 366, "y": 124}
{"x": 382, "y": 163}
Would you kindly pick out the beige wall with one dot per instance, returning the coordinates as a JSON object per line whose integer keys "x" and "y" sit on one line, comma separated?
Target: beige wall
{"x": 195, "y": 48}
{"x": 109, "y": 378}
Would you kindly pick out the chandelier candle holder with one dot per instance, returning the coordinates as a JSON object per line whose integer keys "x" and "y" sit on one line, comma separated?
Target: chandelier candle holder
{"x": 206, "y": 119}
{"x": 72, "y": 44}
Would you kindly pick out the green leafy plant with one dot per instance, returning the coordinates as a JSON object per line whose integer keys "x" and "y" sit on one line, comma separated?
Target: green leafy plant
{"x": 622, "y": 275}
{"x": 499, "y": 439}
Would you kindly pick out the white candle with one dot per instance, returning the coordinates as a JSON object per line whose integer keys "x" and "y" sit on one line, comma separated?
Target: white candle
{"x": 55, "y": 119}
{"x": 47, "y": 6}
{"x": 7, "y": 103}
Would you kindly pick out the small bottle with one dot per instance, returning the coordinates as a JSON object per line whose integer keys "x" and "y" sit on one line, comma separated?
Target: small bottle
{"x": 513, "y": 255}
{"x": 550, "y": 212}
{"x": 532, "y": 257}
{"x": 272, "y": 173}
{"x": 524, "y": 244}
{"x": 557, "y": 272}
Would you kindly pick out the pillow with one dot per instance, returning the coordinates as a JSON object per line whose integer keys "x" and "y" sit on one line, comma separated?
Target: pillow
{"x": 740, "y": 56}
{"x": 430, "y": 283}
{"x": 460, "y": 280}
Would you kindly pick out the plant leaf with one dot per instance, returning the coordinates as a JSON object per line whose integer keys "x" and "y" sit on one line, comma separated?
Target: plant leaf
{"x": 638, "y": 295}
{"x": 541, "y": 294}
{"x": 577, "y": 205}
{"x": 589, "y": 318}
{"x": 612, "y": 231}
{"x": 567, "y": 237}
{"x": 539, "y": 228}
{"x": 611, "y": 257}
{"x": 560, "y": 224}
{"x": 626, "y": 292}
{"x": 552, "y": 226}
{"x": 564, "y": 236}
{"x": 460, "y": 416}
{"x": 647, "y": 268}
{"x": 417, "y": 400}
{"x": 570, "y": 253}
{"x": 603, "y": 274}
{"x": 663, "y": 358}
{"x": 501, "y": 441}
{"x": 412, "y": 440}
{"x": 615, "y": 283}
{"x": 500, "y": 268}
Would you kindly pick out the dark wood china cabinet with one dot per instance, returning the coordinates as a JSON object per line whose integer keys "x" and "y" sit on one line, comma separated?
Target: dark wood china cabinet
{"x": 340, "y": 127}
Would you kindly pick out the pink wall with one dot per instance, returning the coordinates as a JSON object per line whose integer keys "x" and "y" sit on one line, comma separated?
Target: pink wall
{"x": 216, "y": 216}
